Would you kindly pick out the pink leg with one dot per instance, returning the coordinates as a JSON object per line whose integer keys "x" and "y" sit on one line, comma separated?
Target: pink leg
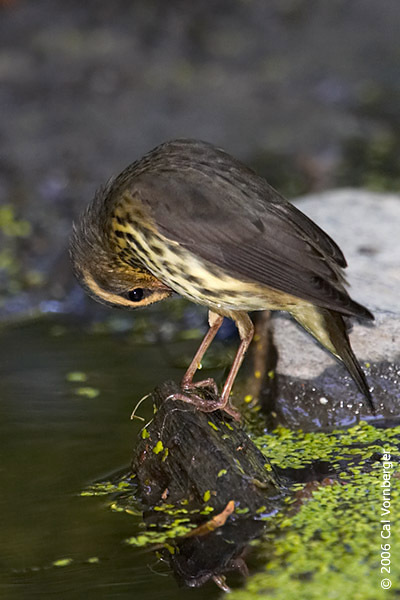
{"x": 215, "y": 322}
{"x": 246, "y": 331}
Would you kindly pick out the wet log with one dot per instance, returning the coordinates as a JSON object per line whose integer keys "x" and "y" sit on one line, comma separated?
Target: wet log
{"x": 205, "y": 467}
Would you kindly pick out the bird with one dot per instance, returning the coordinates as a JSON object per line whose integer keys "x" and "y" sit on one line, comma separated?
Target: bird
{"x": 189, "y": 218}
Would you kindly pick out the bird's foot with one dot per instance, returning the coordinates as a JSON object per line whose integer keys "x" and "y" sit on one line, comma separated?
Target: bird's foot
{"x": 206, "y": 405}
{"x": 204, "y": 383}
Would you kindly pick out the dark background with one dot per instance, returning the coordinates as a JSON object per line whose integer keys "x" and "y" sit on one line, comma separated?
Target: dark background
{"x": 305, "y": 91}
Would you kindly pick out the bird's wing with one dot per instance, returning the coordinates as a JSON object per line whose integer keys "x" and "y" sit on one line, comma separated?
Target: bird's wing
{"x": 246, "y": 228}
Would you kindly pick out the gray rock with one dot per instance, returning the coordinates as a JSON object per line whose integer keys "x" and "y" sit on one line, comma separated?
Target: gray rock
{"x": 312, "y": 388}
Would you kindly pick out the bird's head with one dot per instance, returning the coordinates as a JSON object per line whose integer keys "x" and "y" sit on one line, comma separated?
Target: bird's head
{"x": 110, "y": 274}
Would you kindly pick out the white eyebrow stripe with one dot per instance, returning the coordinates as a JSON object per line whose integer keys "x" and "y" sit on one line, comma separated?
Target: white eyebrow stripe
{"x": 112, "y": 298}
{"x": 107, "y": 296}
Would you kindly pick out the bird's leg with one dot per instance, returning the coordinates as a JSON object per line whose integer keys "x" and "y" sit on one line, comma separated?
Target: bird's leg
{"x": 215, "y": 322}
{"x": 246, "y": 331}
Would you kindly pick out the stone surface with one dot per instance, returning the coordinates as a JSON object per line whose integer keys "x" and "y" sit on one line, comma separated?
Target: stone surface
{"x": 367, "y": 228}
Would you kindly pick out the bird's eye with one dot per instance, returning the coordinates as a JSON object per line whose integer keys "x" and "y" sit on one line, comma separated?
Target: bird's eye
{"x": 136, "y": 295}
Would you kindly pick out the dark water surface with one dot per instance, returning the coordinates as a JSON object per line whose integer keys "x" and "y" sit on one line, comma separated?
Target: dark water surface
{"x": 53, "y": 443}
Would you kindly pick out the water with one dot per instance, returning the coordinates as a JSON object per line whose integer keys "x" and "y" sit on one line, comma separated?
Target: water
{"x": 53, "y": 443}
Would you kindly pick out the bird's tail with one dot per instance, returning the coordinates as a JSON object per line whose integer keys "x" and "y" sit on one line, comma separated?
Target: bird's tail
{"x": 329, "y": 329}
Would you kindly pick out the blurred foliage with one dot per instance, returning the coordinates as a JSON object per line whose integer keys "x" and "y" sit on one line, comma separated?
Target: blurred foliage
{"x": 372, "y": 163}
{"x": 10, "y": 226}
{"x": 372, "y": 159}
{"x": 12, "y": 230}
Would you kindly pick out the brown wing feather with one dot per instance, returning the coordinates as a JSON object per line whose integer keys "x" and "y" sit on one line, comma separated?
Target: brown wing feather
{"x": 216, "y": 207}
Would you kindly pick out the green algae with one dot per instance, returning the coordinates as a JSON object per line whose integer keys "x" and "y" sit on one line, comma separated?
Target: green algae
{"x": 176, "y": 525}
{"x": 207, "y": 510}
{"x": 106, "y": 488}
{"x": 330, "y": 546}
{"x": 145, "y": 434}
{"x": 62, "y": 562}
{"x": 207, "y": 495}
{"x": 326, "y": 541}
{"x": 76, "y": 377}
{"x": 158, "y": 447}
{"x": 175, "y": 530}
{"x": 87, "y": 392}
{"x": 213, "y": 426}
{"x": 296, "y": 449}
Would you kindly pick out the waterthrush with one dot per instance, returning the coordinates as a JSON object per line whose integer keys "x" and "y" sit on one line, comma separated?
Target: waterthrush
{"x": 189, "y": 218}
